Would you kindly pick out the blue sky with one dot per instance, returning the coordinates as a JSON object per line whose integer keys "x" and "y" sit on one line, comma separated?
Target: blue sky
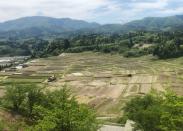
{"x": 101, "y": 11}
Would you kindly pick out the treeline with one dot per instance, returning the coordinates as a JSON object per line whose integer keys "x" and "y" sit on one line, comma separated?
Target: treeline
{"x": 45, "y": 110}
{"x": 13, "y": 48}
{"x": 134, "y": 44}
{"x": 34, "y": 47}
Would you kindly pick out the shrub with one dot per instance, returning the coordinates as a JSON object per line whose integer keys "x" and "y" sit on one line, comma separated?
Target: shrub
{"x": 56, "y": 110}
{"x": 156, "y": 112}
{"x": 167, "y": 49}
{"x": 136, "y": 53}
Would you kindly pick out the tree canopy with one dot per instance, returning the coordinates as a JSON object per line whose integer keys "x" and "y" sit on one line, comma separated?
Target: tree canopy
{"x": 156, "y": 112}
{"x": 49, "y": 110}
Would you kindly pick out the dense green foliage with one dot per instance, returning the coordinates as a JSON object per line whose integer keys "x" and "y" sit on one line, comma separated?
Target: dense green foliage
{"x": 13, "y": 48}
{"x": 133, "y": 44}
{"x": 57, "y": 110}
{"x": 156, "y": 112}
{"x": 168, "y": 49}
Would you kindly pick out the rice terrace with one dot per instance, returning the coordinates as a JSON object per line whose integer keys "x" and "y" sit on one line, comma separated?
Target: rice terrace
{"x": 91, "y": 65}
{"x": 103, "y": 81}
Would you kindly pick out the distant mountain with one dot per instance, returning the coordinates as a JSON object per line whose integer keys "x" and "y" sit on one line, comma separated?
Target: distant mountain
{"x": 46, "y": 23}
{"x": 156, "y": 23}
{"x": 38, "y": 26}
{"x": 149, "y": 24}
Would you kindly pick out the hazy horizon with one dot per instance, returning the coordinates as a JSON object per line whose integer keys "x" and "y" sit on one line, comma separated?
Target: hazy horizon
{"x": 100, "y": 11}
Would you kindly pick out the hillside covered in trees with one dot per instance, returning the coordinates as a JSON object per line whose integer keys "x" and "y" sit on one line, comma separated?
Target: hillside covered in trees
{"x": 44, "y": 36}
{"x": 133, "y": 44}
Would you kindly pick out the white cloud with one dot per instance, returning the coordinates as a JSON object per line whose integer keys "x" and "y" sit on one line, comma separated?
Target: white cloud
{"x": 104, "y": 11}
{"x": 78, "y": 9}
{"x": 159, "y": 4}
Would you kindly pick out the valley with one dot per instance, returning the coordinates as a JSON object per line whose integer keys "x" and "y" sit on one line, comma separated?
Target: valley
{"x": 103, "y": 81}
{"x": 91, "y": 65}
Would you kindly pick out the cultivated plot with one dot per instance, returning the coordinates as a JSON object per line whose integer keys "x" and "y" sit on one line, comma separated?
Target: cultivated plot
{"x": 103, "y": 81}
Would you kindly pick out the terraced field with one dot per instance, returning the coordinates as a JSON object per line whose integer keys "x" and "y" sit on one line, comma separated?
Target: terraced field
{"x": 103, "y": 81}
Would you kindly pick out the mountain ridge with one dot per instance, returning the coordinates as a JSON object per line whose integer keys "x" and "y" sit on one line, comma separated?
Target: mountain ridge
{"x": 46, "y": 22}
{"x": 47, "y": 26}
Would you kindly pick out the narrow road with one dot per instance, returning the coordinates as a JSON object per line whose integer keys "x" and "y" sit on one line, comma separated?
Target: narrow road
{"x": 127, "y": 127}
{"x": 111, "y": 128}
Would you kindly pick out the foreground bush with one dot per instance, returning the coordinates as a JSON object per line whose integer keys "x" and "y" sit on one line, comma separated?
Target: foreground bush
{"x": 156, "y": 112}
{"x": 47, "y": 111}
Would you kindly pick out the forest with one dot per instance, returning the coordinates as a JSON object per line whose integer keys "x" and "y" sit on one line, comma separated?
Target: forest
{"x": 134, "y": 44}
